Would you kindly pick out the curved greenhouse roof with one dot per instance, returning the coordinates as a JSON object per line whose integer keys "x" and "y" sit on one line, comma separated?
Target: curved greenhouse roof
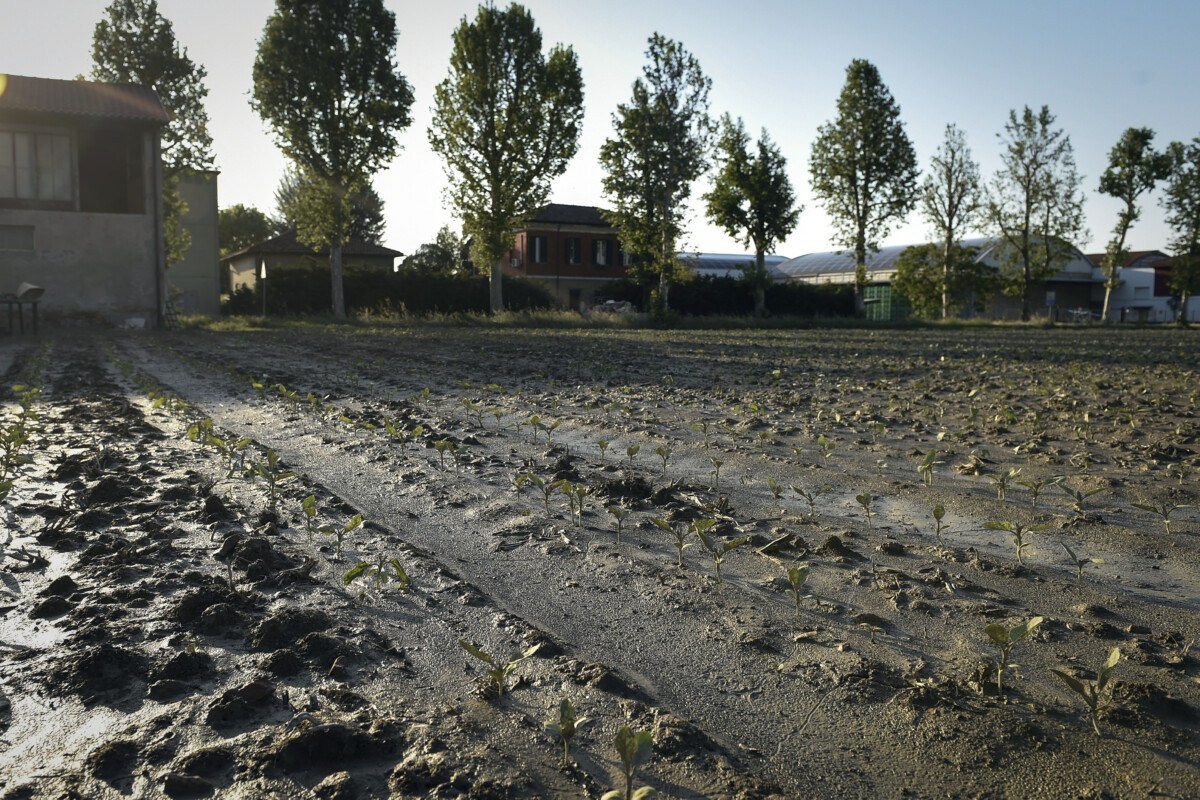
{"x": 724, "y": 265}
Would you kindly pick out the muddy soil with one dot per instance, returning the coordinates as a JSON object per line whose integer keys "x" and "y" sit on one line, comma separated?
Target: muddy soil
{"x": 177, "y": 619}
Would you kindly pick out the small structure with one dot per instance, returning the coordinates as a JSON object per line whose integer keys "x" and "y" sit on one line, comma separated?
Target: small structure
{"x": 1144, "y": 294}
{"x": 81, "y": 197}
{"x": 730, "y": 265}
{"x": 197, "y": 278}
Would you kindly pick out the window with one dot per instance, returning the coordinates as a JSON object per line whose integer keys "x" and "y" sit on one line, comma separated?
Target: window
{"x": 601, "y": 252}
{"x": 573, "y": 250}
{"x": 539, "y": 249}
{"x": 626, "y": 259}
{"x": 35, "y": 166}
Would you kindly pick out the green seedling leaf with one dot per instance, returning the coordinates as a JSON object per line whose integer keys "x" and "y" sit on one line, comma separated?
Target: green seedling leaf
{"x": 797, "y": 576}
{"x": 565, "y": 726}
{"x": 1005, "y": 639}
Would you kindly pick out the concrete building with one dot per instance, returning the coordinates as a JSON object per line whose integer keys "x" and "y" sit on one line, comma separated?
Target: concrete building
{"x": 248, "y": 267}
{"x": 197, "y": 278}
{"x": 81, "y": 199}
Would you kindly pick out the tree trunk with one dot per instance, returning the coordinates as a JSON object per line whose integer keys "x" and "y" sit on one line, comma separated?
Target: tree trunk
{"x": 664, "y": 290}
{"x": 335, "y": 276}
{"x": 496, "y": 287}
{"x": 860, "y": 285}
{"x": 1107, "y": 297}
{"x": 946, "y": 270}
{"x": 1182, "y": 319}
{"x": 760, "y": 286}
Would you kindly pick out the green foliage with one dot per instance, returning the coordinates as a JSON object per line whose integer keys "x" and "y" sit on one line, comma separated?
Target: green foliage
{"x": 664, "y": 453}
{"x": 506, "y": 122}
{"x": 1163, "y": 509}
{"x": 863, "y": 168}
{"x": 301, "y": 197}
{"x": 240, "y": 226}
{"x": 679, "y": 533}
{"x": 938, "y": 281}
{"x": 752, "y": 199}
{"x": 1078, "y": 495}
{"x": 1018, "y": 532}
{"x": 326, "y": 85}
{"x": 499, "y": 672}
{"x": 378, "y": 570}
{"x": 309, "y": 507}
{"x": 811, "y": 496}
{"x": 1002, "y": 481}
{"x": 658, "y": 149}
{"x": 565, "y": 726}
{"x": 619, "y": 515}
{"x": 1181, "y": 201}
{"x": 1035, "y": 205}
{"x": 865, "y": 499}
{"x": 716, "y": 470}
{"x": 1079, "y": 563}
{"x": 341, "y": 533}
{"x": 632, "y": 451}
{"x": 1092, "y": 692}
{"x": 1036, "y": 486}
{"x": 271, "y": 473}
{"x": 634, "y": 750}
{"x": 925, "y": 468}
{"x": 1005, "y": 639}
{"x": 715, "y": 549}
{"x": 939, "y": 511}
{"x": 445, "y": 255}
{"x": 825, "y": 448}
{"x": 796, "y": 577}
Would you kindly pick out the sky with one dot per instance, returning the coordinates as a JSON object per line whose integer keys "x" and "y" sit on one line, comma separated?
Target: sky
{"x": 1100, "y": 66}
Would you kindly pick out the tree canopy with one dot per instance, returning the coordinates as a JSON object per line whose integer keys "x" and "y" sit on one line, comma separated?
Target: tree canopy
{"x": 326, "y": 83}
{"x": 297, "y": 194}
{"x": 863, "y": 167}
{"x": 1181, "y": 199}
{"x": 506, "y": 123}
{"x": 752, "y": 198}
{"x": 240, "y": 226}
{"x": 442, "y": 256}
{"x": 921, "y": 276}
{"x": 951, "y": 198}
{"x": 658, "y": 149}
{"x": 1034, "y": 204}
{"x": 1133, "y": 169}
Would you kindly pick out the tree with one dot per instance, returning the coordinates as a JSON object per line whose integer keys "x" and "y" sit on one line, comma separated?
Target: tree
{"x": 442, "y": 256}
{"x": 325, "y": 82}
{"x": 239, "y": 227}
{"x": 863, "y": 167}
{"x": 133, "y": 43}
{"x": 950, "y": 200}
{"x": 506, "y": 122}
{"x": 297, "y": 192}
{"x": 1182, "y": 203}
{"x": 1133, "y": 169}
{"x": 921, "y": 277}
{"x": 1034, "y": 205}
{"x": 661, "y": 137}
{"x": 752, "y": 199}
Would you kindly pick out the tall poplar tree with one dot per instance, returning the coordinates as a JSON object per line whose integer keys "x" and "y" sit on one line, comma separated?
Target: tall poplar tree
{"x": 1181, "y": 199}
{"x": 863, "y": 167}
{"x": 951, "y": 198}
{"x": 1133, "y": 169}
{"x": 1035, "y": 204}
{"x": 506, "y": 121}
{"x": 325, "y": 81}
{"x": 752, "y": 198}
{"x": 658, "y": 149}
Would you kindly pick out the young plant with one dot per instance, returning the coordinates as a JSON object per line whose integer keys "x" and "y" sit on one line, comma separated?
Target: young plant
{"x": 797, "y": 576}
{"x": 715, "y": 549}
{"x": 680, "y": 535}
{"x": 925, "y": 468}
{"x": 811, "y": 497}
{"x": 876, "y": 428}
{"x": 825, "y": 448}
{"x": 547, "y": 488}
{"x": 442, "y": 445}
{"x": 1036, "y": 487}
{"x": 703, "y": 427}
{"x": 309, "y": 507}
{"x": 776, "y": 490}
{"x": 1092, "y": 692}
{"x": 565, "y": 726}
{"x": 716, "y": 470}
{"x": 632, "y": 451}
{"x": 865, "y": 499}
{"x": 1078, "y": 495}
{"x": 1164, "y": 510}
{"x": 603, "y": 445}
{"x": 1080, "y": 563}
{"x": 880, "y": 466}
{"x": 1018, "y": 532}
{"x": 378, "y": 570}
{"x": 634, "y": 749}
{"x": 664, "y": 453}
{"x": 619, "y": 515}
{"x": 1005, "y": 639}
{"x": 341, "y": 533}
{"x": 871, "y": 628}
{"x": 499, "y": 672}
{"x": 273, "y": 475}
{"x": 1002, "y": 481}
{"x": 939, "y": 511}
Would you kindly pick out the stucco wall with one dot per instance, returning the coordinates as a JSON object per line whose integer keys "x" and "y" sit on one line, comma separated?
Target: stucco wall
{"x": 198, "y": 274}
{"x": 101, "y": 264}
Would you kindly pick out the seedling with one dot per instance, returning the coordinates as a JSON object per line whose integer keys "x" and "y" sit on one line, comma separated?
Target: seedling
{"x": 876, "y": 428}
{"x": 703, "y": 427}
{"x": 871, "y": 628}
{"x": 715, "y": 549}
{"x": 271, "y": 473}
{"x": 1165, "y": 510}
{"x": 1078, "y": 496}
{"x": 880, "y": 466}
{"x": 797, "y": 576}
{"x": 575, "y": 495}
{"x": 442, "y": 445}
{"x": 1092, "y": 692}
{"x": 547, "y": 488}
{"x": 1080, "y": 563}
{"x": 1005, "y": 639}
{"x": 499, "y": 672}
{"x": 378, "y": 570}
{"x": 811, "y": 497}
{"x": 716, "y": 470}
{"x": 200, "y": 432}
{"x": 664, "y": 453}
{"x": 926, "y": 467}
{"x": 603, "y": 445}
{"x": 939, "y": 511}
{"x": 191, "y": 643}
{"x": 1036, "y": 487}
{"x": 309, "y": 507}
{"x": 680, "y": 535}
{"x": 1002, "y": 481}
{"x": 825, "y": 448}
{"x": 565, "y": 726}
{"x": 634, "y": 749}
{"x": 776, "y": 490}
{"x": 1018, "y": 532}
{"x": 632, "y": 451}
{"x": 865, "y": 499}
{"x": 341, "y": 533}
{"x": 619, "y": 515}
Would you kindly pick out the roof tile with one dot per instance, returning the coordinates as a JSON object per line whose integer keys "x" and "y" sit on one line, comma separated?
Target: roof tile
{"x": 116, "y": 101}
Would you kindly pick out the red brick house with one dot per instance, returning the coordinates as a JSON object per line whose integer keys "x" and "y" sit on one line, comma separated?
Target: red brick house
{"x": 572, "y": 250}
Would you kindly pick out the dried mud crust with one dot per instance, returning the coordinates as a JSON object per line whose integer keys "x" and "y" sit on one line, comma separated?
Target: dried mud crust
{"x": 878, "y": 687}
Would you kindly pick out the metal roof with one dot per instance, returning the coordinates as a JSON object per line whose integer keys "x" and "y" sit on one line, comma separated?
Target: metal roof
{"x": 722, "y": 265}
{"x": 287, "y": 244}
{"x": 126, "y": 102}
{"x": 564, "y": 214}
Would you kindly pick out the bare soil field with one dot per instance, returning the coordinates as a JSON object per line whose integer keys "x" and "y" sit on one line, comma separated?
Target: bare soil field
{"x": 806, "y": 563}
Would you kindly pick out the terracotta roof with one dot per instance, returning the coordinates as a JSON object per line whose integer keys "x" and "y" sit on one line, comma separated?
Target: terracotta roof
{"x": 287, "y": 244}
{"x": 116, "y": 101}
{"x": 1133, "y": 257}
{"x": 563, "y": 214}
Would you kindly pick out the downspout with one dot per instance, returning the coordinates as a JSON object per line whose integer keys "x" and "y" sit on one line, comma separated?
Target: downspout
{"x": 160, "y": 244}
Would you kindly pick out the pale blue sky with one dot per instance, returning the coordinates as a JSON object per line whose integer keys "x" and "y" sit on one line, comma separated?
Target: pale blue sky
{"x": 1100, "y": 66}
